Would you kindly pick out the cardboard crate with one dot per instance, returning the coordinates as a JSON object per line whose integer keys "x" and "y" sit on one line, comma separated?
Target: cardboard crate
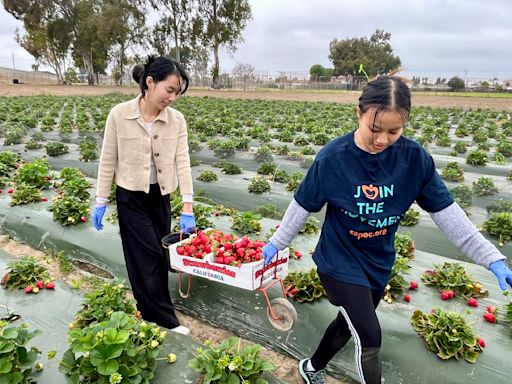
{"x": 248, "y": 276}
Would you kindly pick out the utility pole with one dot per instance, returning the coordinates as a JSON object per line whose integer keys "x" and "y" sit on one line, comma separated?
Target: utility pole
{"x": 13, "y": 64}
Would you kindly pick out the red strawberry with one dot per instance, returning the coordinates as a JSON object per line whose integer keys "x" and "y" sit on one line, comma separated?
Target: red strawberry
{"x": 44, "y": 198}
{"x": 10, "y": 190}
{"x": 491, "y": 309}
{"x": 257, "y": 257}
{"x": 407, "y": 298}
{"x": 180, "y": 250}
{"x": 472, "y": 302}
{"x": 228, "y": 246}
{"x": 40, "y": 284}
{"x": 29, "y": 289}
{"x": 219, "y": 260}
{"x": 490, "y": 317}
{"x": 481, "y": 342}
{"x": 413, "y": 285}
{"x": 50, "y": 285}
{"x": 451, "y": 294}
{"x": 298, "y": 255}
{"x": 227, "y": 236}
{"x": 293, "y": 292}
{"x": 240, "y": 252}
{"x": 83, "y": 219}
{"x": 445, "y": 295}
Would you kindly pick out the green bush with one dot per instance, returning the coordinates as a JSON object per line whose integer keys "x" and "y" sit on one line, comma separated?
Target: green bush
{"x": 207, "y": 176}
{"x": 484, "y": 186}
{"x": 259, "y": 184}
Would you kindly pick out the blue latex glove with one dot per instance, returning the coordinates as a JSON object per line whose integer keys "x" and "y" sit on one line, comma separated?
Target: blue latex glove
{"x": 187, "y": 222}
{"x": 268, "y": 251}
{"x": 97, "y": 216}
{"x": 503, "y": 273}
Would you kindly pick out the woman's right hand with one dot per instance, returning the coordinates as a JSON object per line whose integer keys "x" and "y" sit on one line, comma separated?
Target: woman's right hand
{"x": 269, "y": 251}
{"x": 97, "y": 216}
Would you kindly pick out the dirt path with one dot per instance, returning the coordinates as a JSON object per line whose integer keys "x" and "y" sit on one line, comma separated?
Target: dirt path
{"x": 336, "y": 97}
{"x": 199, "y": 330}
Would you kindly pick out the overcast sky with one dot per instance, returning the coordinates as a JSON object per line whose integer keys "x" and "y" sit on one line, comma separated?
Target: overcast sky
{"x": 470, "y": 38}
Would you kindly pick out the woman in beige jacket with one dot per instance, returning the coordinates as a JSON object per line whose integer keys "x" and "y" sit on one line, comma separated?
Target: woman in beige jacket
{"x": 145, "y": 152}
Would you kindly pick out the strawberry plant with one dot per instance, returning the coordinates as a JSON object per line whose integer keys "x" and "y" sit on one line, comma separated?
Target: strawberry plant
{"x": 17, "y": 363}
{"x": 484, "y": 186}
{"x": 55, "y": 148}
{"x": 404, "y": 245}
{"x": 69, "y": 210}
{"x": 396, "y": 284}
{"x": 304, "y": 285}
{"x": 229, "y": 362}
{"x": 258, "y": 184}
{"x": 246, "y": 222}
{"x": 310, "y": 227}
{"x": 207, "y": 176}
{"x": 453, "y": 172}
{"x": 501, "y": 205}
{"x": 460, "y": 147}
{"x": 88, "y": 149}
{"x": 263, "y": 154}
{"x": 24, "y": 273}
{"x": 10, "y": 159}
{"x": 25, "y": 194}
{"x": 411, "y": 217}
{"x": 271, "y": 211}
{"x": 452, "y": 277}
{"x": 32, "y": 144}
{"x": 294, "y": 181}
{"x": 447, "y": 334}
{"x": 222, "y": 148}
{"x": 120, "y": 349}
{"x": 102, "y": 302}
{"x": 231, "y": 168}
{"x": 266, "y": 169}
{"x": 463, "y": 195}
{"x": 34, "y": 174}
{"x": 477, "y": 157}
{"x": 69, "y": 173}
{"x": 280, "y": 176}
{"x": 499, "y": 225}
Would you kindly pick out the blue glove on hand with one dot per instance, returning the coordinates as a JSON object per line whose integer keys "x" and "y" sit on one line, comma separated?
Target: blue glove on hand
{"x": 269, "y": 251}
{"x": 187, "y": 222}
{"x": 97, "y": 216}
{"x": 502, "y": 272}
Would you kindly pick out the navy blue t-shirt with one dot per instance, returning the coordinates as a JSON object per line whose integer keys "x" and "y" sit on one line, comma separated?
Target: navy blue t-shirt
{"x": 366, "y": 196}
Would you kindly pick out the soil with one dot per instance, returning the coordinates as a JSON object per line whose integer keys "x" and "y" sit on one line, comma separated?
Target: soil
{"x": 200, "y": 331}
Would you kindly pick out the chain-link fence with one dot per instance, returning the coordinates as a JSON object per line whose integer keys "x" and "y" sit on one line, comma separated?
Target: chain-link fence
{"x": 285, "y": 81}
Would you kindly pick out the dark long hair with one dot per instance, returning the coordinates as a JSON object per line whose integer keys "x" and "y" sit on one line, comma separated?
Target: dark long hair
{"x": 386, "y": 93}
{"x": 159, "y": 68}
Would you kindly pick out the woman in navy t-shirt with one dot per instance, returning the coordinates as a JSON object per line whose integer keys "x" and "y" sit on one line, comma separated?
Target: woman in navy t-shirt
{"x": 368, "y": 179}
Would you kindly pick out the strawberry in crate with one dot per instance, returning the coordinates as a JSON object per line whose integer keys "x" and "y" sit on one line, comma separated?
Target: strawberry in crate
{"x": 239, "y": 251}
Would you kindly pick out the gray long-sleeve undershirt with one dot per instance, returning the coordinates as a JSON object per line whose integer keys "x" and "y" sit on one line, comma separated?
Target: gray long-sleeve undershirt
{"x": 452, "y": 221}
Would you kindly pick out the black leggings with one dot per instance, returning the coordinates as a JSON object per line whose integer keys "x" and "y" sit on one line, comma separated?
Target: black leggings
{"x": 357, "y": 318}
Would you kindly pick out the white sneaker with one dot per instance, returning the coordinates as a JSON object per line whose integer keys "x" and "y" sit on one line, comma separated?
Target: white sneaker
{"x": 181, "y": 329}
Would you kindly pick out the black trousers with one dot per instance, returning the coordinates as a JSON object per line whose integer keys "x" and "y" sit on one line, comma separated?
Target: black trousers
{"x": 356, "y": 318}
{"x": 144, "y": 219}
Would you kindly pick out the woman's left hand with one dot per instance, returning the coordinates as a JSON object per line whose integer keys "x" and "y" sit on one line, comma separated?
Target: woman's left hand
{"x": 187, "y": 222}
{"x": 503, "y": 273}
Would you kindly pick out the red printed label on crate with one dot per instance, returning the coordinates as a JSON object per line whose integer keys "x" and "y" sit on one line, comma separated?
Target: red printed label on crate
{"x": 208, "y": 266}
{"x": 270, "y": 266}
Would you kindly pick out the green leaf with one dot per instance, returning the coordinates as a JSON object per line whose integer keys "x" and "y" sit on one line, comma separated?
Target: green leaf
{"x": 5, "y": 365}
{"x": 9, "y": 333}
{"x": 109, "y": 367}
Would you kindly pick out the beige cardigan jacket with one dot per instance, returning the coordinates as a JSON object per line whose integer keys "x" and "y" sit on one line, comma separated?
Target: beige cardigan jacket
{"x": 126, "y": 152}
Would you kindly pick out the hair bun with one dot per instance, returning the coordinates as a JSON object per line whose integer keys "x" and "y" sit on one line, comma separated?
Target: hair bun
{"x": 137, "y": 72}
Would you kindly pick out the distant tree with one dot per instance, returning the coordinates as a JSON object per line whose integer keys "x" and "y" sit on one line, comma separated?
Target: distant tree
{"x": 375, "y": 53}
{"x": 456, "y": 84}
{"x": 316, "y": 71}
{"x": 176, "y": 21}
{"x": 484, "y": 84}
{"x": 243, "y": 70}
{"x": 220, "y": 23}
{"x": 71, "y": 76}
